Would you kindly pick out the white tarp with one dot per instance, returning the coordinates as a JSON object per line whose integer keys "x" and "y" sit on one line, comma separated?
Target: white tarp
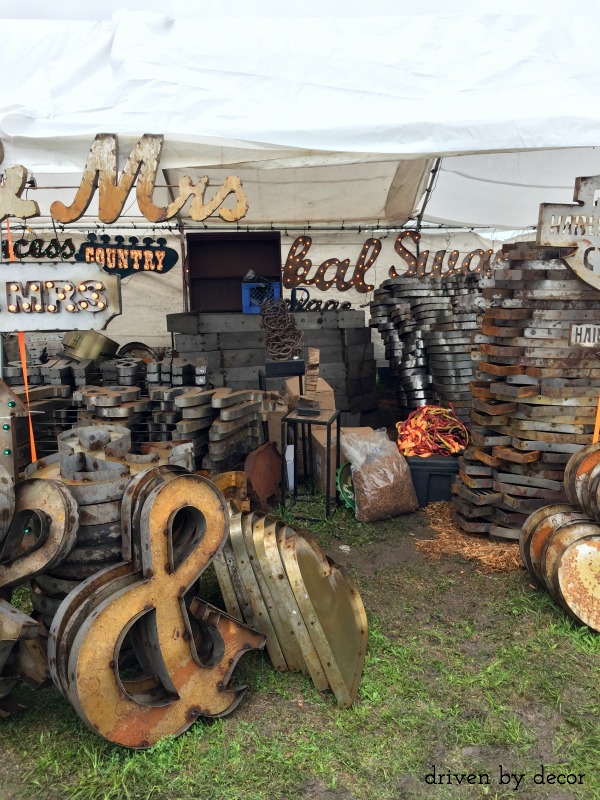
{"x": 327, "y": 83}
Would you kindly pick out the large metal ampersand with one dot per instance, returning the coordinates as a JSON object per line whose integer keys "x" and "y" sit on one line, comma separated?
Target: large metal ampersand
{"x": 178, "y": 522}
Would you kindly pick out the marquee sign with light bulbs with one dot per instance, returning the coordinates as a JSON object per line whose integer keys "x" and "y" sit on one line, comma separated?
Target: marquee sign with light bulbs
{"x": 477, "y": 261}
{"x": 38, "y": 297}
{"x": 299, "y": 270}
{"x": 117, "y": 257}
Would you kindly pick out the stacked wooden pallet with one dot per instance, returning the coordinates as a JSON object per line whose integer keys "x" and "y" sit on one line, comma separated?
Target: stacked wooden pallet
{"x": 534, "y": 395}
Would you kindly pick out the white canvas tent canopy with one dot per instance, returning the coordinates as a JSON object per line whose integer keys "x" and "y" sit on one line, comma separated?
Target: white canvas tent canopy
{"x": 332, "y": 111}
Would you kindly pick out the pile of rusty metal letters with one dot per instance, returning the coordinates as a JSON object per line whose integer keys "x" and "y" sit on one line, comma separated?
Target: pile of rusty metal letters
{"x": 239, "y": 427}
{"x": 309, "y": 610}
{"x": 121, "y": 371}
{"x": 534, "y": 395}
{"x": 153, "y": 418}
{"x": 427, "y": 324}
{"x": 220, "y": 426}
{"x": 560, "y": 543}
{"x": 95, "y": 465}
{"x": 114, "y": 545}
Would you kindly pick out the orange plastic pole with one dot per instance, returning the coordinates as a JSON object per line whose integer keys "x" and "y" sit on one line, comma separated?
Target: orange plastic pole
{"x": 597, "y": 425}
{"x": 22, "y": 354}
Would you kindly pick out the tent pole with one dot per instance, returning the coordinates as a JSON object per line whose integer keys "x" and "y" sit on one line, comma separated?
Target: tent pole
{"x": 430, "y": 185}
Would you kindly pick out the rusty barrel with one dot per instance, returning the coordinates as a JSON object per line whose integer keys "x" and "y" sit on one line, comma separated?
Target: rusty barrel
{"x": 560, "y": 546}
{"x": 582, "y": 480}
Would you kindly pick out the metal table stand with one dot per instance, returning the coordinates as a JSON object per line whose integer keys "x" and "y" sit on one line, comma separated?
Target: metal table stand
{"x": 327, "y": 418}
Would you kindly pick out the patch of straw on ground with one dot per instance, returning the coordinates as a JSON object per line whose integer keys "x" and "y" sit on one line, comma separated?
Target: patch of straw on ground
{"x": 451, "y": 541}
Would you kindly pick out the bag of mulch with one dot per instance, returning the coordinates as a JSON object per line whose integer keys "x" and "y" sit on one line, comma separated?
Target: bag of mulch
{"x": 383, "y": 484}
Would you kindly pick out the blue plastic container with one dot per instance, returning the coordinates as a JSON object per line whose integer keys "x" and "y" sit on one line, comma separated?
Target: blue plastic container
{"x": 255, "y": 294}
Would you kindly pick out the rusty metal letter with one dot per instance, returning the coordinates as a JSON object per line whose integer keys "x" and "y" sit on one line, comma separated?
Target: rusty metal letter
{"x": 11, "y": 204}
{"x": 199, "y": 210}
{"x": 101, "y": 172}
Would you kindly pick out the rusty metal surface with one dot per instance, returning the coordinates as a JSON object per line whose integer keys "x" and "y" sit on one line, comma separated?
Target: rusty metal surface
{"x": 226, "y": 584}
{"x": 575, "y": 227}
{"x": 291, "y": 637}
{"x": 528, "y": 527}
{"x": 534, "y": 352}
{"x": 233, "y": 486}
{"x": 555, "y": 546}
{"x": 16, "y": 628}
{"x": 192, "y": 512}
{"x": 106, "y": 533}
{"x": 276, "y": 556}
{"x": 86, "y": 491}
{"x": 333, "y": 613}
{"x": 55, "y": 587}
{"x": 99, "y": 514}
{"x": 100, "y": 172}
{"x": 263, "y": 469}
{"x": 71, "y": 615}
{"x": 251, "y": 531}
{"x": 225, "y": 561}
{"x": 259, "y": 617}
{"x": 538, "y": 528}
{"x": 577, "y": 473}
{"x": 7, "y": 502}
{"x": 579, "y": 580}
{"x": 26, "y": 553}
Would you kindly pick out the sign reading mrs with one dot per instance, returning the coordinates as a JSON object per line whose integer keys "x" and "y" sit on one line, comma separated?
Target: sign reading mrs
{"x": 100, "y": 172}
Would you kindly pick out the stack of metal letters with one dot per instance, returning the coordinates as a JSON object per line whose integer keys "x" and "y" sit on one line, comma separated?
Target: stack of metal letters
{"x": 153, "y": 419}
{"x": 427, "y": 324}
{"x": 95, "y": 465}
{"x": 282, "y": 584}
{"x": 535, "y": 393}
{"x": 239, "y": 427}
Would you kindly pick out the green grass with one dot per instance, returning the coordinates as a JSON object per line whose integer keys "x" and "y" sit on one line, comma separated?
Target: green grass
{"x": 463, "y": 670}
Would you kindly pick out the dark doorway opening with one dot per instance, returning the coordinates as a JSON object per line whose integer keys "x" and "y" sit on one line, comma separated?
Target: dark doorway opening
{"x": 217, "y": 263}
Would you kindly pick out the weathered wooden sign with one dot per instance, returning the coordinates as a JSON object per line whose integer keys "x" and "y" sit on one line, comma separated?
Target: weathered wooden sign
{"x": 100, "y": 172}
{"x": 575, "y": 226}
{"x": 39, "y": 297}
{"x": 38, "y": 248}
{"x": 297, "y": 269}
{"x": 127, "y": 259}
